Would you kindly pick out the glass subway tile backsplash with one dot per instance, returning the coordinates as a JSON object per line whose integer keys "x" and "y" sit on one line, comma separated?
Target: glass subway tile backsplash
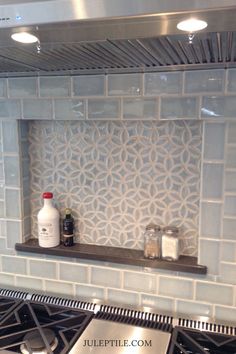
{"x": 119, "y": 176}
{"x": 123, "y": 150}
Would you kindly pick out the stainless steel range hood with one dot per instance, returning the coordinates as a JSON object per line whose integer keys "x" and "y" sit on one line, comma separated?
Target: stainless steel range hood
{"x": 100, "y": 36}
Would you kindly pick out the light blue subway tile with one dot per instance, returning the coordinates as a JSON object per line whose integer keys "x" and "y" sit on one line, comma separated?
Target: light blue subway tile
{"x": 1, "y": 172}
{"x": 24, "y": 129}
{"x": 55, "y": 86}
{"x": 228, "y": 272}
{"x": 2, "y": 211}
{"x": 230, "y": 181}
{"x": 193, "y": 308}
{"x": 23, "y": 87}
{"x": 127, "y": 84}
{"x": 231, "y": 84}
{"x": 10, "y": 136}
{"x": 10, "y": 108}
{"x": 91, "y": 292}
{"x": 37, "y": 109}
{"x": 26, "y": 226}
{"x": 58, "y": 287}
{"x": 231, "y": 157}
{"x": 124, "y": 297}
{"x": 214, "y": 132}
{"x": 29, "y": 283}
{"x": 211, "y": 219}
{"x": 11, "y": 167}
{"x": 3, "y": 87}
{"x": 224, "y": 313}
{"x": 13, "y": 203}
{"x": 3, "y": 248}
{"x": 14, "y": 265}
{"x": 212, "y": 181}
{"x": 66, "y": 109}
{"x": 24, "y": 149}
{"x": 179, "y": 107}
{"x": 230, "y": 206}
{"x": 106, "y": 277}
{"x": 204, "y": 81}
{"x": 108, "y": 108}
{"x": 175, "y": 287}
{"x": 26, "y": 206}
{"x": 7, "y": 279}
{"x": 140, "y": 108}
{"x": 158, "y": 303}
{"x": 210, "y": 259}
{"x": 43, "y": 269}
{"x": 25, "y": 165}
{"x": 228, "y": 251}
{"x": 2, "y": 196}
{"x": 3, "y": 242}
{"x": 73, "y": 272}
{"x": 89, "y": 85}
{"x": 214, "y": 293}
{"x": 229, "y": 229}
{"x": 140, "y": 282}
{"x": 231, "y": 133}
{"x": 218, "y": 106}
{"x": 163, "y": 83}
{"x": 3, "y": 228}
{"x": 26, "y": 187}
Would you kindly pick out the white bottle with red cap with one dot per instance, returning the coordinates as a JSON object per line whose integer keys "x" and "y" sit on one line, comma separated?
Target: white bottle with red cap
{"x": 48, "y": 223}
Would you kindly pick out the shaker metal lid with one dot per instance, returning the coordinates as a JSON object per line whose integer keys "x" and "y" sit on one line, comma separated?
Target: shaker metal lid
{"x": 170, "y": 230}
{"x": 153, "y": 226}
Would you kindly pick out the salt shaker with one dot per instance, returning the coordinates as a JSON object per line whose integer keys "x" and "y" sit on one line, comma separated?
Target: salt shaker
{"x": 152, "y": 241}
{"x": 170, "y": 243}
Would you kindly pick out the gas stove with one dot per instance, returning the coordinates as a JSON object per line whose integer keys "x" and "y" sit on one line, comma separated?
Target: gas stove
{"x": 43, "y": 324}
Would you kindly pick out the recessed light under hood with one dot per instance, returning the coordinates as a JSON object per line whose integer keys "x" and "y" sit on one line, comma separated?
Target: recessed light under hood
{"x": 24, "y": 37}
{"x": 192, "y": 25}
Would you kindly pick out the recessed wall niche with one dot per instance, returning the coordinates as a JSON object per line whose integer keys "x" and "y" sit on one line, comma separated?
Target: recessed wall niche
{"x": 116, "y": 176}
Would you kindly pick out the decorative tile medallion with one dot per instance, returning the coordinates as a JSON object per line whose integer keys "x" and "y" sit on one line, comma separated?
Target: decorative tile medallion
{"x": 119, "y": 176}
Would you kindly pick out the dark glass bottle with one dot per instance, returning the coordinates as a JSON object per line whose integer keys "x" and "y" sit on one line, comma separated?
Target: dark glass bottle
{"x": 68, "y": 229}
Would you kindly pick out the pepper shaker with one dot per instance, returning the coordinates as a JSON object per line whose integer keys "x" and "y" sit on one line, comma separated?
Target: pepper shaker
{"x": 152, "y": 241}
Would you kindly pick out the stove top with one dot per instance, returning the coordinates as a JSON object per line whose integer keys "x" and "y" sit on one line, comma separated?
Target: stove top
{"x": 32, "y": 327}
{"x": 44, "y": 324}
{"x": 192, "y": 341}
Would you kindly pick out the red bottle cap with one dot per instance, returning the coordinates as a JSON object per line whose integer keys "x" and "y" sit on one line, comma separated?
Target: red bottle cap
{"x": 47, "y": 195}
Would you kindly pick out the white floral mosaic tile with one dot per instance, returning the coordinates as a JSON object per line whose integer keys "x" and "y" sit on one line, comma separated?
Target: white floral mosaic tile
{"x": 119, "y": 176}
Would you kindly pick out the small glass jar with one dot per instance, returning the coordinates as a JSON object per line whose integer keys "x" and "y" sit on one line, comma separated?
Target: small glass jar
{"x": 170, "y": 243}
{"x": 152, "y": 241}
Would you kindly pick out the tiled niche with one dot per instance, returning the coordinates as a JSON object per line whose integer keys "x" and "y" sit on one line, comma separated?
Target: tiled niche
{"x": 119, "y": 176}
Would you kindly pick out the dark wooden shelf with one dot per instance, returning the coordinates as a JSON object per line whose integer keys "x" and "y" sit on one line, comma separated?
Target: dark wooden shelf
{"x": 114, "y": 254}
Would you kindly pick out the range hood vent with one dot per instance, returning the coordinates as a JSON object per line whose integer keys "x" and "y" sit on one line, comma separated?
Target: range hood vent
{"x": 174, "y": 52}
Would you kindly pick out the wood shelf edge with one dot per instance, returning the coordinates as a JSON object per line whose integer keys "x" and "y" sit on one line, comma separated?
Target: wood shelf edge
{"x": 185, "y": 264}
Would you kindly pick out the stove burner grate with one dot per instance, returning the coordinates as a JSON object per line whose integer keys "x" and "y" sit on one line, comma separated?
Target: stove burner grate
{"x": 42, "y": 328}
{"x": 189, "y": 341}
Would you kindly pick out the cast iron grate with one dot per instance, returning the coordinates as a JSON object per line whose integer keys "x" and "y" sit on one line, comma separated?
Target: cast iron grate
{"x": 67, "y": 325}
{"x": 185, "y": 341}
